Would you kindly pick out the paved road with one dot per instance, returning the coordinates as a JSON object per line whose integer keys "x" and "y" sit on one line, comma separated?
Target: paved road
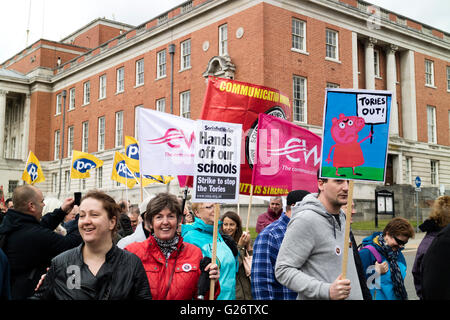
{"x": 410, "y": 254}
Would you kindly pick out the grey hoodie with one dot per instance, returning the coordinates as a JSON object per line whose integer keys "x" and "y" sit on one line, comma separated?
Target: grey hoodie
{"x": 310, "y": 256}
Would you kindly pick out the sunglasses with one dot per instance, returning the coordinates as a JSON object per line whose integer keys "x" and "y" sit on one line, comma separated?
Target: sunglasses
{"x": 400, "y": 242}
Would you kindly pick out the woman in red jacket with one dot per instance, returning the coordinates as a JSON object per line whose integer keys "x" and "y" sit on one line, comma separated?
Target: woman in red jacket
{"x": 172, "y": 266}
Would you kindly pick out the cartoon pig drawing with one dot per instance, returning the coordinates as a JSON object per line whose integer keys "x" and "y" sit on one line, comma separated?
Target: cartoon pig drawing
{"x": 347, "y": 150}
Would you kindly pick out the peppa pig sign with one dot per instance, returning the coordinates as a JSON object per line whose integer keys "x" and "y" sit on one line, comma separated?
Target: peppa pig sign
{"x": 355, "y": 134}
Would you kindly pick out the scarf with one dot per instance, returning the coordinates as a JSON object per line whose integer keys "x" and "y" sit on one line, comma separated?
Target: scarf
{"x": 396, "y": 275}
{"x": 167, "y": 246}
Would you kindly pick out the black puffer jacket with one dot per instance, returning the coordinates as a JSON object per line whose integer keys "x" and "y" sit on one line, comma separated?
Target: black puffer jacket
{"x": 30, "y": 245}
{"x": 121, "y": 277}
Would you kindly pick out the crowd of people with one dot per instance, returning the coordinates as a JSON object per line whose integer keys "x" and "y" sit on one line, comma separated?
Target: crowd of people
{"x": 161, "y": 249}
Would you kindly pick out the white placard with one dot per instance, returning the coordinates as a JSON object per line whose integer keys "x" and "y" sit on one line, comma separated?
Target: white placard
{"x": 217, "y": 161}
{"x": 373, "y": 108}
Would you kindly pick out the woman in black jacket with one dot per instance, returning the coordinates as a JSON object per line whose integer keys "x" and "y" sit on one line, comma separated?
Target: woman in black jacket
{"x": 97, "y": 269}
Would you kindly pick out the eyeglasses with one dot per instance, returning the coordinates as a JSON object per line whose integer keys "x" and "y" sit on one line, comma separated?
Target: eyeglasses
{"x": 400, "y": 242}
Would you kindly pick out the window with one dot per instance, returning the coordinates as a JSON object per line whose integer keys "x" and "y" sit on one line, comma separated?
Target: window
{"x": 58, "y": 104}
{"x": 67, "y": 179}
{"x": 376, "y": 62}
{"x": 331, "y": 41}
{"x": 56, "y": 145}
{"x": 431, "y": 124}
{"x": 299, "y": 94}
{"x": 408, "y": 170}
{"x": 120, "y": 80}
{"x": 99, "y": 179}
{"x": 185, "y": 104}
{"x": 434, "y": 172}
{"x": 136, "y": 109}
{"x": 332, "y": 85}
{"x": 119, "y": 129}
{"x": 54, "y": 182}
{"x": 140, "y": 72}
{"x": 69, "y": 141}
{"x": 448, "y": 78}
{"x": 12, "y": 153}
{"x": 86, "y": 92}
{"x": 12, "y": 184}
{"x": 85, "y": 136}
{"x": 429, "y": 72}
{"x": 298, "y": 35}
{"x": 185, "y": 54}
{"x": 102, "y": 87}
{"x": 161, "y": 105}
{"x": 101, "y": 134}
{"x": 161, "y": 64}
{"x": 72, "y": 99}
{"x": 223, "y": 40}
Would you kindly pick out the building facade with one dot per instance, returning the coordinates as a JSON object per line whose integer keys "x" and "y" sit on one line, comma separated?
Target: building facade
{"x": 107, "y": 69}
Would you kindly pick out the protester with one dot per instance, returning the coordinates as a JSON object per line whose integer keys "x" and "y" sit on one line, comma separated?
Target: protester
{"x": 5, "y": 274}
{"x": 435, "y": 267}
{"x": 310, "y": 258}
{"x": 273, "y": 213}
{"x": 4, "y": 207}
{"x": 70, "y": 217}
{"x": 382, "y": 253}
{"x": 50, "y": 205}
{"x": 142, "y": 231}
{"x": 358, "y": 263}
{"x": 173, "y": 266}
{"x": 187, "y": 212}
{"x": 232, "y": 226}
{"x": 134, "y": 215}
{"x": 96, "y": 269}
{"x": 3, "y": 210}
{"x": 438, "y": 219}
{"x": 200, "y": 233}
{"x": 125, "y": 228}
{"x": 30, "y": 242}
{"x": 9, "y": 203}
{"x": 267, "y": 244}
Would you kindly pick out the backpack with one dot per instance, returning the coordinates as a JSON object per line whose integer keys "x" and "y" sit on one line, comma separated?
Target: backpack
{"x": 374, "y": 252}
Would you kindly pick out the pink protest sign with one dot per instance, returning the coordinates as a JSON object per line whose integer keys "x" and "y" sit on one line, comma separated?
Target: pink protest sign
{"x": 287, "y": 157}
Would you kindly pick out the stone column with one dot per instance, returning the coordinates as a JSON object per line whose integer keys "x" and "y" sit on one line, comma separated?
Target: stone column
{"x": 26, "y": 127}
{"x": 3, "y": 94}
{"x": 408, "y": 87}
{"x": 369, "y": 65}
{"x": 391, "y": 85}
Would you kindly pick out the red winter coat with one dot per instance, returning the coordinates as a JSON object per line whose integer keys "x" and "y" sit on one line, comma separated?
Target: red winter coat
{"x": 158, "y": 270}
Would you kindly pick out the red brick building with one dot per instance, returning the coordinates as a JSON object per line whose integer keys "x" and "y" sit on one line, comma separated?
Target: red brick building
{"x": 107, "y": 69}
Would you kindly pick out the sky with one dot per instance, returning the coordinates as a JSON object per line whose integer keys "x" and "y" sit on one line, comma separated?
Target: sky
{"x": 56, "y": 19}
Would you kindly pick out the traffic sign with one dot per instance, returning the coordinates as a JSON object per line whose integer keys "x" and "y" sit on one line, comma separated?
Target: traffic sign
{"x": 418, "y": 182}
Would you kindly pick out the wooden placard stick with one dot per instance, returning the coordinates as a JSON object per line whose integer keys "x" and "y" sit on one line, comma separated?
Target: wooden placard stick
{"x": 249, "y": 207}
{"x": 214, "y": 248}
{"x": 348, "y": 217}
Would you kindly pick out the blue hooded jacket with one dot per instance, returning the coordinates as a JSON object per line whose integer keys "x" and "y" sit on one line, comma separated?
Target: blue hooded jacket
{"x": 200, "y": 234}
{"x": 382, "y": 288}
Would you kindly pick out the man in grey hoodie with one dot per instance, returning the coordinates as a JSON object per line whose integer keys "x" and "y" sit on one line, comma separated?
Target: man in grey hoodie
{"x": 310, "y": 258}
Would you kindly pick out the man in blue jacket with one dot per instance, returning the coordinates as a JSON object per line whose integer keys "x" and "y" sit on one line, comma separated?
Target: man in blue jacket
{"x": 29, "y": 240}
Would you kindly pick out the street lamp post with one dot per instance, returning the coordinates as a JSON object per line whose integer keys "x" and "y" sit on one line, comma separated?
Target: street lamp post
{"x": 171, "y": 52}
{"x": 62, "y": 141}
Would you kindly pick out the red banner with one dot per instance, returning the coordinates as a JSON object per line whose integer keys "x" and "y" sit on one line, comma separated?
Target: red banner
{"x": 240, "y": 102}
{"x": 288, "y": 157}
